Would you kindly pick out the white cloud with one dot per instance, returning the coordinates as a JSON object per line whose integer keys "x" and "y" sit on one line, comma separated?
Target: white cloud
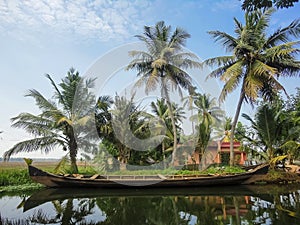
{"x": 97, "y": 19}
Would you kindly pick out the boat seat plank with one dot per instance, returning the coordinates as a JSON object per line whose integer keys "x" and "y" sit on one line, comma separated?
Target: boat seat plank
{"x": 162, "y": 177}
{"x": 95, "y": 176}
{"x": 78, "y": 176}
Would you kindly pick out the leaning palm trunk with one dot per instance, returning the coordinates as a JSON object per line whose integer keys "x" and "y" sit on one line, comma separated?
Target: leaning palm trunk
{"x": 235, "y": 120}
{"x": 174, "y": 133}
{"x": 166, "y": 95}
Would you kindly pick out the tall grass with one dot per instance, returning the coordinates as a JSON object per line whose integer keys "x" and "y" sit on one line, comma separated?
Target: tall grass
{"x": 14, "y": 177}
{"x": 16, "y": 180}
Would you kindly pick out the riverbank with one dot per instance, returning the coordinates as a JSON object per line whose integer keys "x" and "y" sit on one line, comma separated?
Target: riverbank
{"x": 14, "y": 176}
{"x": 276, "y": 177}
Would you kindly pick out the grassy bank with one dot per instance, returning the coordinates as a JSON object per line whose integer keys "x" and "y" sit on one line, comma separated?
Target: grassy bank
{"x": 16, "y": 179}
{"x": 14, "y": 176}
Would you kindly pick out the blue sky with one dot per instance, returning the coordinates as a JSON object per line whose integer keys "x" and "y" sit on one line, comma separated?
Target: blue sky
{"x": 39, "y": 37}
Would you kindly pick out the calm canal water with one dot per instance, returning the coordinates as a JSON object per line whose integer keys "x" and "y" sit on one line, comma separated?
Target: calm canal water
{"x": 202, "y": 206}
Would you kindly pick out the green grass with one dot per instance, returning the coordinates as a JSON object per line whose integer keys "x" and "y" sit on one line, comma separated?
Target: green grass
{"x": 16, "y": 180}
{"x": 14, "y": 177}
{"x": 224, "y": 170}
{"x": 20, "y": 188}
{"x": 211, "y": 170}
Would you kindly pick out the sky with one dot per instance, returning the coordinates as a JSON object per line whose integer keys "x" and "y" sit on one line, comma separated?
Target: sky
{"x": 49, "y": 37}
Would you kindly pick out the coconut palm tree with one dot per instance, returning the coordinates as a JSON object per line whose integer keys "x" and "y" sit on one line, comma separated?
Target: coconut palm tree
{"x": 103, "y": 116}
{"x": 160, "y": 110}
{"x": 127, "y": 124}
{"x": 268, "y": 125}
{"x": 276, "y": 130}
{"x": 208, "y": 110}
{"x": 209, "y": 116}
{"x": 55, "y": 125}
{"x": 164, "y": 64}
{"x": 257, "y": 60}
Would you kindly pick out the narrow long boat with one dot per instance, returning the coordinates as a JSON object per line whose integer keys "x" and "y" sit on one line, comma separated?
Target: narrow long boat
{"x": 134, "y": 181}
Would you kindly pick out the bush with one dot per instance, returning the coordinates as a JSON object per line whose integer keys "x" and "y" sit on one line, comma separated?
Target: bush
{"x": 14, "y": 177}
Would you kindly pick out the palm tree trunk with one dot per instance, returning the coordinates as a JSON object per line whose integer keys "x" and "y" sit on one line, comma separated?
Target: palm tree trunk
{"x": 174, "y": 133}
{"x": 203, "y": 163}
{"x": 163, "y": 153}
{"x": 73, "y": 151}
{"x": 68, "y": 213}
{"x": 123, "y": 158}
{"x": 235, "y": 120}
{"x": 173, "y": 123}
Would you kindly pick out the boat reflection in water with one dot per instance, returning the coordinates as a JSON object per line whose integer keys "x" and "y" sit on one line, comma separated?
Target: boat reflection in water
{"x": 229, "y": 205}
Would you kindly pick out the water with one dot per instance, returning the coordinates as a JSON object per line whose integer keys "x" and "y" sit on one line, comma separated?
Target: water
{"x": 188, "y": 206}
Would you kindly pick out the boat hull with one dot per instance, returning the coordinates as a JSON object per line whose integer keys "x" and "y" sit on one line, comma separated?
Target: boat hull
{"x": 52, "y": 180}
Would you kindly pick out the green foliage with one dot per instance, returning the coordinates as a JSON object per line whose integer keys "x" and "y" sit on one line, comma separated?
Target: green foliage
{"x": 163, "y": 124}
{"x": 257, "y": 60}
{"x": 208, "y": 118}
{"x": 277, "y": 160}
{"x": 275, "y": 129}
{"x": 224, "y": 170}
{"x": 225, "y": 158}
{"x": 163, "y": 64}
{"x": 251, "y": 5}
{"x": 268, "y": 126}
{"x": 62, "y": 164}
{"x": 14, "y": 177}
{"x": 55, "y": 125}
{"x": 20, "y": 188}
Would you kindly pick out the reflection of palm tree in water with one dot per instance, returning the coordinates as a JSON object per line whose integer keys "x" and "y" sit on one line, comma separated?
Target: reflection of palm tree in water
{"x": 66, "y": 214}
{"x": 186, "y": 209}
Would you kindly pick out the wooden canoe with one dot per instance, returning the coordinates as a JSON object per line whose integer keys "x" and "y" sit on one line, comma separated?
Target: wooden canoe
{"x": 127, "y": 181}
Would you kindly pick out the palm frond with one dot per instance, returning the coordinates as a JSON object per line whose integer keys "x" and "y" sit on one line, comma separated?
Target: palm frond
{"x": 61, "y": 164}
{"x": 259, "y": 69}
{"x": 65, "y": 120}
{"x": 284, "y": 34}
{"x": 59, "y": 94}
{"x": 233, "y": 71}
{"x": 251, "y": 87}
{"x": 220, "y": 61}
{"x": 280, "y": 52}
{"x": 45, "y": 144}
{"x": 229, "y": 87}
{"x": 41, "y": 101}
{"x": 225, "y": 39}
{"x": 36, "y": 125}
{"x": 238, "y": 27}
